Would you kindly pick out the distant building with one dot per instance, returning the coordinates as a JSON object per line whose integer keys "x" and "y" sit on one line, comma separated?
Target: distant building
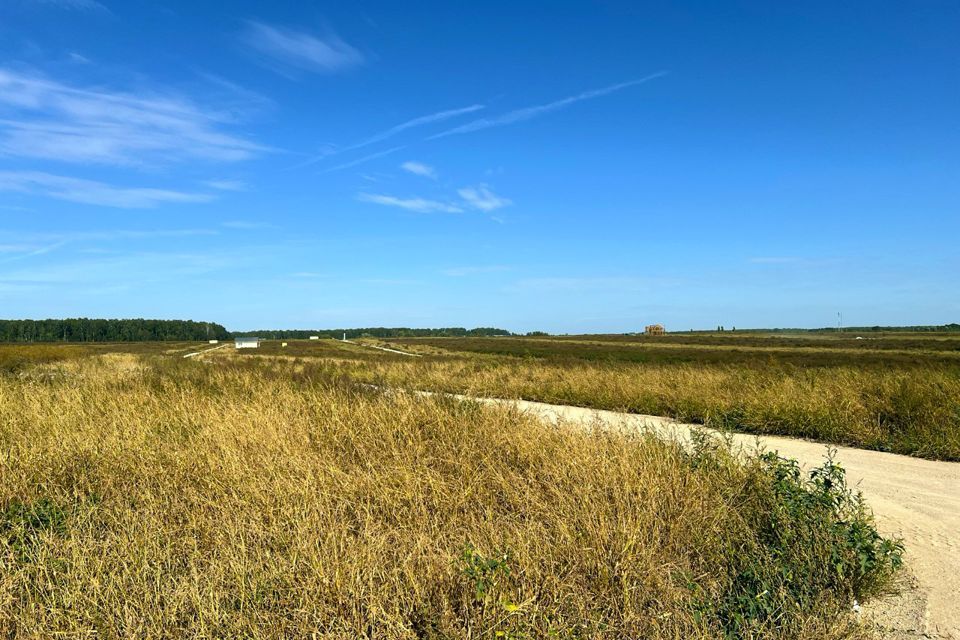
{"x": 213, "y": 341}
{"x": 654, "y": 330}
{"x": 314, "y": 337}
{"x": 247, "y": 343}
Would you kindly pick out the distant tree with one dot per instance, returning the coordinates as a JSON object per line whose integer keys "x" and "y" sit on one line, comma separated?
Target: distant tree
{"x": 101, "y": 330}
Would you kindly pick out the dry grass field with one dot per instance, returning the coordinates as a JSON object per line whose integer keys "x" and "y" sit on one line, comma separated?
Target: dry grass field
{"x": 897, "y": 393}
{"x": 148, "y": 496}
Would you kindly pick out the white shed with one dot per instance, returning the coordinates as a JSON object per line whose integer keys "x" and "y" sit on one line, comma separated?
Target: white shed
{"x": 314, "y": 337}
{"x": 247, "y": 343}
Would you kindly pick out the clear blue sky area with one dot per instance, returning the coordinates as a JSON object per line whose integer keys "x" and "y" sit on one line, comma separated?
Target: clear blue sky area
{"x": 565, "y": 166}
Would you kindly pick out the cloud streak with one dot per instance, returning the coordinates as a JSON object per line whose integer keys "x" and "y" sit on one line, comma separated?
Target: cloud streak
{"x": 482, "y": 198}
{"x": 41, "y": 118}
{"x": 81, "y": 5}
{"x": 419, "y": 205}
{"x": 528, "y": 113}
{"x": 92, "y": 192}
{"x": 419, "y": 121}
{"x": 479, "y": 198}
{"x": 419, "y": 169}
{"x": 226, "y": 185}
{"x": 300, "y": 50}
{"x": 372, "y": 156}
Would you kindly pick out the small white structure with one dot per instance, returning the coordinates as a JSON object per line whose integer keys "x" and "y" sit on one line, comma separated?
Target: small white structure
{"x": 283, "y": 344}
{"x": 247, "y": 343}
{"x": 213, "y": 341}
{"x": 314, "y": 337}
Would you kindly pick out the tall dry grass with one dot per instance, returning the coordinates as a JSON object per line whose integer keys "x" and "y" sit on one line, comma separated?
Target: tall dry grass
{"x": 913, "y": 411}
{"x": 15, "y": 358}
{"x": 169, "y": 498}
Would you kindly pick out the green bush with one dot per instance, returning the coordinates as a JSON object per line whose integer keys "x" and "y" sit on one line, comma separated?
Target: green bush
{"x": 814, "y": 545}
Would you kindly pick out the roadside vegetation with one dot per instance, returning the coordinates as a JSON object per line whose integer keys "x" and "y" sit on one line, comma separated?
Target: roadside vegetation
{"x": 915, "y": 412}
{"x": 902, "y": 396}
{"x": 151, "y": 496}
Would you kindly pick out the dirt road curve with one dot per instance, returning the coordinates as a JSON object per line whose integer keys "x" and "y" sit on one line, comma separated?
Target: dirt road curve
{"x": 197, "y": 353}
{"x": 918, "y": 500}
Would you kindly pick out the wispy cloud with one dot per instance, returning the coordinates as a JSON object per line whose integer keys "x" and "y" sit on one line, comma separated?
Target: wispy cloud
{"x": 236, "y": 100}
{"x": 18, "y": 246}
{"x": 419, "y": 169}
{"x": 135, "y": 268}
{"x": 92, "y": 192}
{"x": 226, "y": 185}
{"x": 420, "y": 205}
{"x": 420, "y": 121}
{"x": 46, "y": 119}
{"x": 18, "y": 238}
{"x": 15, "y": 248}
{"x": 81, "y": 5}
{"x": 22, "y": 252}
{"x": 482, "y": 198}
{"x": 358, "y": 161}
{"x": 528, "y": 113}
{"x": 439, "y": 116}
{"x": 301, "y": 50}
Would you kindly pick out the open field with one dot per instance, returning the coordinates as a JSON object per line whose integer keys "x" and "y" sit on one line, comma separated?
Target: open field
{"x": 905, "y": 398}
{"x": 743, "y": 351}
{"x": 892, "y": 392}
{"x": 20, "y": 356}
{"x": 145, "y": 495}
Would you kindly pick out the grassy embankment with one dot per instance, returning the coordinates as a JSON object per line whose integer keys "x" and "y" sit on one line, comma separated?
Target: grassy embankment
{"x": 149, "y": 497}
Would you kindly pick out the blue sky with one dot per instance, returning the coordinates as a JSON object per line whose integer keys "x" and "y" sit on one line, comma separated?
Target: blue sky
{"x": 571, "y": 167}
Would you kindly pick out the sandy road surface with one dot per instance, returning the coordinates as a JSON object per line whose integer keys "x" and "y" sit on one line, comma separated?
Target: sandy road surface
{"x": 918, "y": 500}
{"x": 197, "y": 353}
{"x": 373, "y": 346}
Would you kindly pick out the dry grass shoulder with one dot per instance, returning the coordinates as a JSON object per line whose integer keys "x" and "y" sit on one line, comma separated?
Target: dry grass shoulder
{"x": 170, "y": 498}
{"x": 914, "y": 411}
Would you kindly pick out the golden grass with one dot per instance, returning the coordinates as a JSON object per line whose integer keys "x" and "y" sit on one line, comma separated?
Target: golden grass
{"x": 17, "y": 357}
{"x": 170, "y": 498}
{"x": 913, "y": 411}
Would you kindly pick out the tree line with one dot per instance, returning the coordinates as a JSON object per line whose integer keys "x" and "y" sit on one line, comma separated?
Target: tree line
{"x": 141, "y": 330}
{"x": 102, "y": 330}
{"x": 373, "y": 332}
{"x": 932, "y": 328}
